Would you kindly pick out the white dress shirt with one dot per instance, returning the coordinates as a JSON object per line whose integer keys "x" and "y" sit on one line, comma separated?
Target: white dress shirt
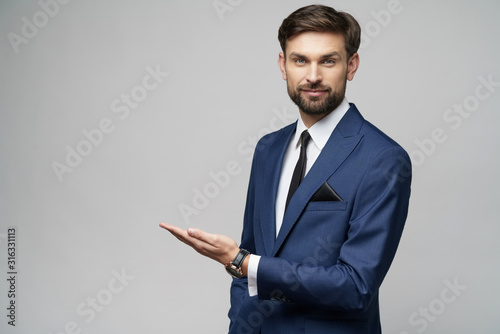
{"x": 320, "y": 133}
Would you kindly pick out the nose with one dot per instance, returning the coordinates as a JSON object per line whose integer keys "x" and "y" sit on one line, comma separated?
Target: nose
{"x": 314, "y": 75}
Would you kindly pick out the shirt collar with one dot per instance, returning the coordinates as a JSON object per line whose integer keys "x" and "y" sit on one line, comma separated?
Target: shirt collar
{"x": 320, "y": 132}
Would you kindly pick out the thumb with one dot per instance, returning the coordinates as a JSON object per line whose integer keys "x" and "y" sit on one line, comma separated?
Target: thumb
{"x": 194, "y": 233}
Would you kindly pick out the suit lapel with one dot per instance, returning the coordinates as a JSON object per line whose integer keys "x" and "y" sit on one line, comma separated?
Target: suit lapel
{"x": 272, "y": 172}
{"x": 341, "y": 143}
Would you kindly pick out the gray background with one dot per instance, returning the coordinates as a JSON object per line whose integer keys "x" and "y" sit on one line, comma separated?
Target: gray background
{"x": 223, "y": 90}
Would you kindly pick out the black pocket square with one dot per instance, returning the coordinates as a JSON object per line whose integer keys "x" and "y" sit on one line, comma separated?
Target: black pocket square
{"x": 325, "y": 193}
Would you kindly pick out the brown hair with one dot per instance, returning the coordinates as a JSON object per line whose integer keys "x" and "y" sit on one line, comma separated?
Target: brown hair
{"x": 321, "y": 18}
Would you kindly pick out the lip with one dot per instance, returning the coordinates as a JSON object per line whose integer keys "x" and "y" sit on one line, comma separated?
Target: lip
{"x": 314, "y": 92}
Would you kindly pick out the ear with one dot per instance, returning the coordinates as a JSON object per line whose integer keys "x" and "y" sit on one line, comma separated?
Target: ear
{"x": 281, "y": 64}
{"x": 352, "y": 66}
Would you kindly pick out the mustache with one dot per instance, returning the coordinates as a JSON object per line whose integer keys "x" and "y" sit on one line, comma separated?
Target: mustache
{"x": 313, "y": 87}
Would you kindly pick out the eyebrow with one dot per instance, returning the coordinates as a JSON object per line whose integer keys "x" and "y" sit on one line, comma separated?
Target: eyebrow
{"x": 328, "y": 55}
{"x": 332, "y": 54}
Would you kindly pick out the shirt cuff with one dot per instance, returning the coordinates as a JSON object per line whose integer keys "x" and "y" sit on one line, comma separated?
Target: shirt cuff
{"x": 253, "y": 264}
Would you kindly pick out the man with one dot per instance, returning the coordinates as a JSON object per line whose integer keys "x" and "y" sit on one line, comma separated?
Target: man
{"x": 315, "y": 249}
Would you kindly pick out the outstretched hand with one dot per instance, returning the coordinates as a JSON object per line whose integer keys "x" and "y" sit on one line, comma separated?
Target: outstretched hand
{"x": 215, "y": 246}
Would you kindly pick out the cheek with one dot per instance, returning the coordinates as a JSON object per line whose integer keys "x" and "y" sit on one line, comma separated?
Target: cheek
{"x": 293, "y": 71}
{"x": 337, "y": 79}
{"x": 295, "y": 77}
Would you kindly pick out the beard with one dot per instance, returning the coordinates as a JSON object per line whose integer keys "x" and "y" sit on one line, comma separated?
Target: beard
{"x": 317, "y": 105}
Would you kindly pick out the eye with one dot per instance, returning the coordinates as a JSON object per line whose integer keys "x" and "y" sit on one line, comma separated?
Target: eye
{"x": 329, "y": 62}
{"x": 299, "y": 61}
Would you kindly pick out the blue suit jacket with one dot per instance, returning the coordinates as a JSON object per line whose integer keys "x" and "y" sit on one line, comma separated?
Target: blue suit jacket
{"x": 323, "y": 271}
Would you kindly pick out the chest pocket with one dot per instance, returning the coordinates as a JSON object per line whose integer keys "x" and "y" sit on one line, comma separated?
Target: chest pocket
{"x": 327, "y": 206}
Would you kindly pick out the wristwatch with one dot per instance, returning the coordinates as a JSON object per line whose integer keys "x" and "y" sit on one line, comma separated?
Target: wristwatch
{"x": 234, "y": 267}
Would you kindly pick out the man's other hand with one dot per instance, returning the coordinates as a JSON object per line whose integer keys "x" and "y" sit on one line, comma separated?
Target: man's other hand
{"x": 215, "y": 246}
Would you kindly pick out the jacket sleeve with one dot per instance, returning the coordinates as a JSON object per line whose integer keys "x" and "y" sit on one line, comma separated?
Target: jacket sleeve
{"x": 376, "y": 224}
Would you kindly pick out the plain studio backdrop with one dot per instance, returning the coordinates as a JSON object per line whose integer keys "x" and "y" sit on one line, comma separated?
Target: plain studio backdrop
{"x": 118, "y": 115}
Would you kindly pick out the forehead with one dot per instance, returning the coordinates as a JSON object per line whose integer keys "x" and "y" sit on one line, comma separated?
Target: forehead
{"x": 313, "y": 43}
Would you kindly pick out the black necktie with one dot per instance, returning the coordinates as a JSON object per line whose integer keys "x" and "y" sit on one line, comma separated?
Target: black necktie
{"x": 300, "y": 167}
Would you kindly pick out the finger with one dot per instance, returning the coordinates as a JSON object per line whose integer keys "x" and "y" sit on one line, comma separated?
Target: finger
{"x": 192, "y": 237}
{"x": 207, "y": 238}
{"x": 201, "y": 240}
{"x": 178, "y": 232}
{"x": 170, "y": 227}
{"x": 198, "y": 234}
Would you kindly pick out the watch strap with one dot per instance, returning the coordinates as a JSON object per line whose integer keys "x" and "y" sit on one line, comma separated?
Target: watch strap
{"x": 240, "y": 257}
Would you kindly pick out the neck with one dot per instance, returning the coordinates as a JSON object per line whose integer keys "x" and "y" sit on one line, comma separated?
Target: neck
{"x": 310, "y": 120}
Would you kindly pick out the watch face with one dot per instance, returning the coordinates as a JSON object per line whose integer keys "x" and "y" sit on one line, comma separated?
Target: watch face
{"x": 233, "y": 271}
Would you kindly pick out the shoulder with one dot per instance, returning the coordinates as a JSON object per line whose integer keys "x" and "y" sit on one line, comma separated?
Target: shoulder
{"x": 386, "y": 161}
{"x": 278, "y": 137}
{"x": 375, "y": 135}
{"x": 374, "y": 142}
